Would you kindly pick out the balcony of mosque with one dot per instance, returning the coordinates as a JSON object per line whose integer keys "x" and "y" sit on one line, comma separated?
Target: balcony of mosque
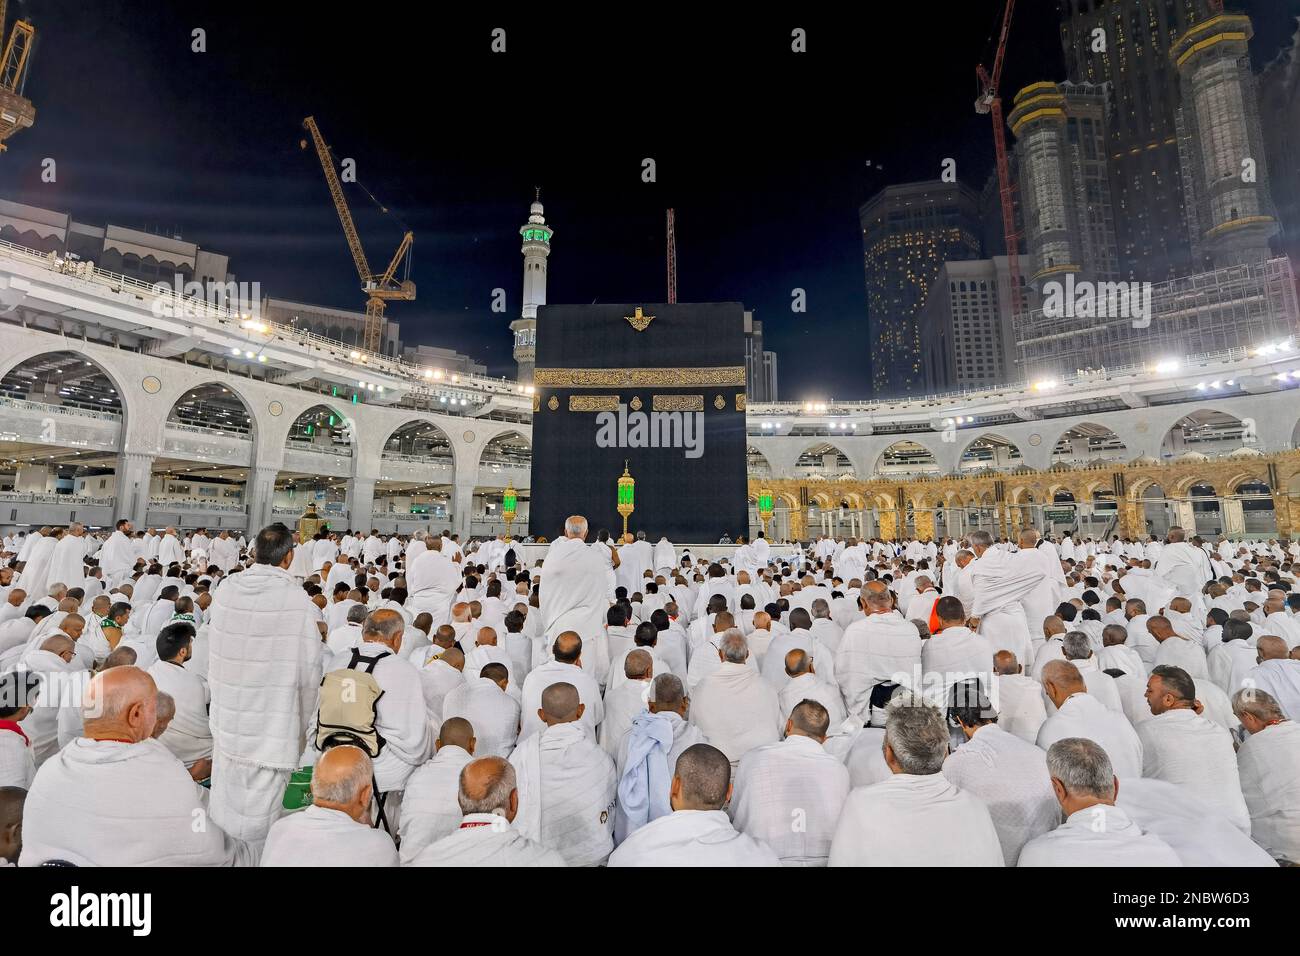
{"x": 20, "y": 509}
{"x": 64, "y": 426}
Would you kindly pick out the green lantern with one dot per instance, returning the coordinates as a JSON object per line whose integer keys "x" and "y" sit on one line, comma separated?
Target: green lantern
{"x": 626, "y": 496}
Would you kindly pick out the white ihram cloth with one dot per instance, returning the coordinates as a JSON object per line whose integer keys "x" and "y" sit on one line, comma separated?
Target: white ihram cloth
{"x": 635, "y": 560}
{"x": 1281, "y": 679}
{"x": 1198, "y": 834}
{"x": 1229, "y": 663}
{"x": 431, "y": 582}
{"x": 437, "y": 680}
{"x": 558, "y": 672}
{"x": 737, "y": 710}
{"x": 264, "y": 672}
{"x": 773, "y": 666}
{"x": 189, "y": 735}
{"x": 1099, "y": 835}
{"x": 319, "y": 836}
{"x": 17, "y": 762}
{"x": 1183, "y": 652}
{"x": 1183, "y": 748}
{"x": 170, "y": 551}
{"x": 685, "y": 735}
{"x": 878, "y": 648}
{"x": 692, "y": 838}
{"x": 492, "y": 712}
{"x": 567, "y": 789}
{"x": 1269, "y": 763}
{"x": 1098, "y": 683}
{"x": 811, "y": 687}
{"x": 1185, "y": 568}
{"x": 61, "y": 685}
{"x": 1121, "y": 657}
{"x": 1010, "y": 776}
{"x": 106, "y": 803}
{"x": 999, "y": 584}
{"x": 780, "y": 784}
{"x": 1042, "y": 600}
{"x": 622, "y": 704}
{"x": 485, "y": 839}
{"x": 574, "y": 597}
{"x": 225, "y": 553}
{"x": 1083, "y": 715}
{"x": 35, "y": 578}
{"x": 430, "y": 807}
{"x": 915, "y": 820}
{"x": 1019, "y": 702}
{"x": 644, "y": 784}
{"x": 665, "y": 555}
{"x": 117, "y": 558}
{"x": 953, "y": 655}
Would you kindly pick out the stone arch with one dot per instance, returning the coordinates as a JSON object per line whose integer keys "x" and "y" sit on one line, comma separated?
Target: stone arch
{"x": 757, "y": 464}
{"x": 1207, "y": 430}
{"x": 814, "y": 459}
{"x": 208, "y": 393}
{"x": 906, "y": 456}
{"x": 989, "y": 450}
{"x": 504, "y": 451}
{"x": 1086, "y": 442}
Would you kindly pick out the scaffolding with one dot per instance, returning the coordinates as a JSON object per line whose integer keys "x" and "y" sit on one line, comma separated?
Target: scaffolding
{"x": 1235, "y": 307}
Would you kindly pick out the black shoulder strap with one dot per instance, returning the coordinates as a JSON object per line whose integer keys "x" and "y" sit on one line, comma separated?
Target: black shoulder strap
{"x": 370, "y": 661}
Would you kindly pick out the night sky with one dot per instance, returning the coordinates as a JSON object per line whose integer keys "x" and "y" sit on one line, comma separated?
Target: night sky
{"x": 765, "y": 155}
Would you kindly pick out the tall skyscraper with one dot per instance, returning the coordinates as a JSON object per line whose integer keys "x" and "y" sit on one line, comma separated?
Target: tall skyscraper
{"x": 536, "y": 235}
{"x": 1225, "y": 172}
{"x": 1279, "y": 107}
{"x": 967, "y": 334}
{"x": 1060, "y": 131}
{"x": 1126, "y": 43}
{"x": 908, "y": 232}
{"x": 760, "y": 364}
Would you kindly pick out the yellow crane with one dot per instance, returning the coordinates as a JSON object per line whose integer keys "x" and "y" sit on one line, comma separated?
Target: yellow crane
{"x": 378, "y": 288}
{"x": 16, "y": 111}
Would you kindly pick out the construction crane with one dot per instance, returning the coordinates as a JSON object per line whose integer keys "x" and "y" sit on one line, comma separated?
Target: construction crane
{"x": 672, "y": 257}
{"x": 378, "y": 288}
{"x": 16, "y": 111}
{"x": 991, "y": 103}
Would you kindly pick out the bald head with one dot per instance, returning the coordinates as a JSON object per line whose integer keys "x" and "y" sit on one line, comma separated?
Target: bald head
{"x": 1270, "y": 647}
{"x": 120, "y": 704}
{"x": 453, "y": 658}
{"x": 121, "y": 656}
{"x": 638, "y": 665}
{"x": 701, "y": 779}
{"x": 1061, "y": 679}
{"x": 60, "y": 645}
{"x": 797, "y": 663}
{"x": 1053, "y": 626}
{"x": 456, "y": 732}
{"x": 342, "y": 781}
{"x": 560, "y": 704}
{"x": 1005, "y": 663}
{"x": 874, "y": 597}
{"x": 487, "y": 785}
{"x": 809, "y": 719}
{"x": 568, "y": 647}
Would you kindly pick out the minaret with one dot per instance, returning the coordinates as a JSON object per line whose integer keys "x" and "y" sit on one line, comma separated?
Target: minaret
{"x": 536, "y": 235}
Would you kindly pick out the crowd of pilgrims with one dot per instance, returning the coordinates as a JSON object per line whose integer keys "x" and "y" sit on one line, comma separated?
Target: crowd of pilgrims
{"x": 371, "y": 700}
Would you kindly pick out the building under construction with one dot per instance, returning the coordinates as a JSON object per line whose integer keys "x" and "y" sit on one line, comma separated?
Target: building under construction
{"x": 1235, "y": 307}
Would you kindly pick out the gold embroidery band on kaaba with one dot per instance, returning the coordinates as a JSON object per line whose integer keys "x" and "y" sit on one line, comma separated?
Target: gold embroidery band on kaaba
{"x": 677, "y": 403}
{"x": 639, "y": 377}
{"x": 593, "y": 403}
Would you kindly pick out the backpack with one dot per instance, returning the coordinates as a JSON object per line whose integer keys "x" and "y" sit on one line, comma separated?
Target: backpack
{"x": 348, "y": 698}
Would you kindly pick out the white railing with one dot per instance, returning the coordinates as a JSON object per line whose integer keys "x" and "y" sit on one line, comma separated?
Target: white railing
{"x": 193, "y": 307}
{"x": 41, "y": 498}
{"x": 418, "y": 459}
{"x": 209, "y": 430}
{"x": 344, "y": 451}
{"x": 176, "y": 504}
{"x": 71, "y": 411}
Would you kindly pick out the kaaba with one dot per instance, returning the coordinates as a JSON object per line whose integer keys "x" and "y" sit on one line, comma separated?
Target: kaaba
{"x": 651, "y": 390}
